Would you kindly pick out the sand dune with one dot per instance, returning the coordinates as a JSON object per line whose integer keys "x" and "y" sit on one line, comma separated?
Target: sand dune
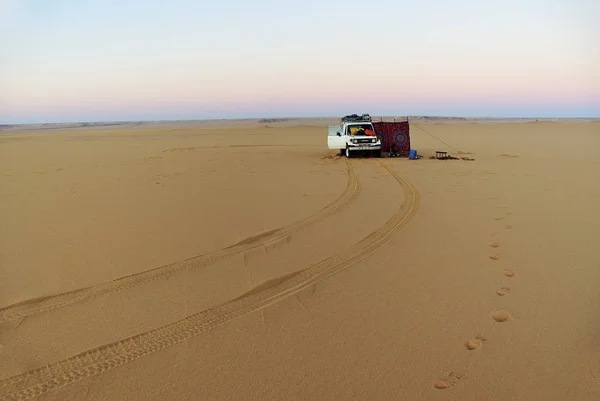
{"x": 247, "y": 261}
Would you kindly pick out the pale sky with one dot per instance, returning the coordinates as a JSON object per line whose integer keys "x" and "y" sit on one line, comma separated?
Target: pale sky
{"x": 78, "y": 60}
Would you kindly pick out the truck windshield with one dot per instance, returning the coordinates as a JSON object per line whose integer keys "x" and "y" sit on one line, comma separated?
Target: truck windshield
{"x": 359, "y": 129}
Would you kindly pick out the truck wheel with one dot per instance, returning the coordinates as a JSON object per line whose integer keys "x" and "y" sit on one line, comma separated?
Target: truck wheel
{"x": 348, "y": 152}
{"x": 377, "y": 153}
{"x": 342, "y": 152}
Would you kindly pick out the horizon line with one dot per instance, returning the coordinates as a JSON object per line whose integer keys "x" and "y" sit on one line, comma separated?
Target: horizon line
{"x": 280, "y": 119}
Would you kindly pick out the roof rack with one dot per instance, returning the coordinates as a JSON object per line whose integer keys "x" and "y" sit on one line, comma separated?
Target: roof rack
{"x": 356, "y": 118}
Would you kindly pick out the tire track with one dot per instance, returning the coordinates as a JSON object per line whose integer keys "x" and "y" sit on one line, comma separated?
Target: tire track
{"x": 39, "y": 305}
{"x": 101, "y": 359}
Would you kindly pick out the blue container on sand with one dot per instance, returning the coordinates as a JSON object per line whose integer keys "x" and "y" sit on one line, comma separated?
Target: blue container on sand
{"x": 412, "y": 155}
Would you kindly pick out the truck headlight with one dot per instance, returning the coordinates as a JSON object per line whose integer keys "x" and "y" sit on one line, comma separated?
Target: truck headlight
{"x": 353, "y": 140}
{"x": 374, "y": 140}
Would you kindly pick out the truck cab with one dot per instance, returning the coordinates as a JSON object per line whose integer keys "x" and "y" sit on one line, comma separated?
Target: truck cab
{"x": 355, "y": 134}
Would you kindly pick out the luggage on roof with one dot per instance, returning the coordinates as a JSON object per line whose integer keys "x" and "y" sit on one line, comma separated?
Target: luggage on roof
{"x": 356, "y": 118}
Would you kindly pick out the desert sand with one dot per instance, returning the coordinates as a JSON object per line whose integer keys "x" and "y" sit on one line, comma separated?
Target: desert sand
{"x": 246, "y": 261}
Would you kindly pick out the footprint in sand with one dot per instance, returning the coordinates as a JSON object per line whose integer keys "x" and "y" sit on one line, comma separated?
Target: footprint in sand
{"x": 509, "y": 273}
{"x": 443, "y": 384}
{"x": 501, "y": 316}
{"x": 499, "y": 218}
{"x": 493, "y": 244}
{"x": 493, "y": 234}
{"x": 473, "y": 344}
{"x": 449, "y": 381}
{"x": 503, "y": 291}
{"x": 494, "y": 257}
{"x": 508, "y": 227}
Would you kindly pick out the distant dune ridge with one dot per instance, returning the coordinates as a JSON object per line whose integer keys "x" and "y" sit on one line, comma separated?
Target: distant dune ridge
{"x": 227, "y": 259}
{"x": 289, "y": 120}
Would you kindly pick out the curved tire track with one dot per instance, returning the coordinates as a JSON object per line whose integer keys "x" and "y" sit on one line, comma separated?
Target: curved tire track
{"x": 28, "y": 308}
{"x": 101, "y": 359}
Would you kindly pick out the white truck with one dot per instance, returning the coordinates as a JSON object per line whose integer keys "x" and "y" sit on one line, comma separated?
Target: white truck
{"x": 355, "y": 134}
